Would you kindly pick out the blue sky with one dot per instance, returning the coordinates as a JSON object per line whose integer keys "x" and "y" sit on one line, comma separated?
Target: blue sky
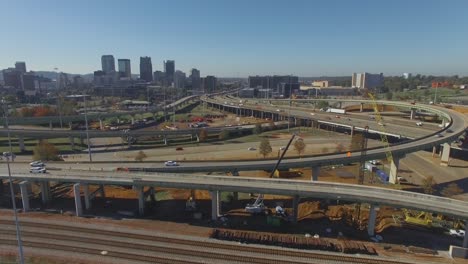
{"x": 242, "y": 37}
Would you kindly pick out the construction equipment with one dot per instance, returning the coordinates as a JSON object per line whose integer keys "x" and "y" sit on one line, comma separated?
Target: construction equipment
{"x": 258, "y": 206}
{"x": 383, "y": 136}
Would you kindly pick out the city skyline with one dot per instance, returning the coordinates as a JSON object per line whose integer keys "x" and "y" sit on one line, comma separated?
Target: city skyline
{"x": 230, "y": 40}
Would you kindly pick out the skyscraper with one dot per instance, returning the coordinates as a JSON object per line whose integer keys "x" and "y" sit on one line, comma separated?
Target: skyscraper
{"x": 124, "y": 68}
{"x": 169, "y": 70}
{"x": 367, "y": 80}
{"x": 20, "y": 66}
{"x": 196, "y": 81}
{"x": 108, "y": 63}
{"x": 12, "y": 77}
{"x": 146, "y": 69}
{"x": 209, "y": 84}
{"x": 179, "y": 79}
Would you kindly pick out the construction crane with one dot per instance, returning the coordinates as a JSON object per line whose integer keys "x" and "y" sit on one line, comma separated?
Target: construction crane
{"x": 258, "y": 206}
{"x": 362, "y": 160}
{"x": 383, "y": 136}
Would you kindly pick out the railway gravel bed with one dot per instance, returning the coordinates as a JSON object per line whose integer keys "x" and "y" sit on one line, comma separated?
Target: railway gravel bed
{"x": 141, "y": 247}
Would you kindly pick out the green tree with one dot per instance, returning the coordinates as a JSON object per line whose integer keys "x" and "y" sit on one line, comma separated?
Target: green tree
{"x": 140, "y": 156}
{"x": 45, "y": 151}
{"x": 322, "y": 104}
{"x": 299, "y": 146}
{"x": 428, "y": 184}
{"x": 451, "y": 190}
{"x": 257, "y": 129}
{"x": 265, "y": 147}
{"x": 202, "y": 135}
{"x": 224, "y": 135}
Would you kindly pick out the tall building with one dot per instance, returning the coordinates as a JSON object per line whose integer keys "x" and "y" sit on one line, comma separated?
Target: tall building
{"x": 196, "y": 80}
{"x": 27, "y": 81}
{"x": 179, "y": 79}
{"x": 407, "y": 75}
{"x": 20, "y": 66}
{"x": 367, "y": 80}
{"x": 12, "y": 77}
{"x": 124, "y": 68}
{"x": 108, "y": 63}
{"x": 271, "y": 82}
{"x": 209, "y": 84}
{"x": 146, "y": 69}
{"x": 169, "y": 70}
{"x": 158, "y": 77}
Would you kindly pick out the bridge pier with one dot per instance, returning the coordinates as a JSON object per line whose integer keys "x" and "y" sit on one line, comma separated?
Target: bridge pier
{"x": 141, "y": 199}
{"x": 24, "y": 188}
{"x": 102, "y": 191}
{"x": 87, "y": 197}
{"x": 101, "y": 126}
{"x": 215, "y": 204}
{"x": 165, "y": 140}
{"x": 371, "y": 221}
{"x": 315, "y": 173}
{"x": 394, "y": 170}
{"x": 445, "y": 158}
{"x": 361, "y": 107}
{"x": 21, "y": 143}
{"x": 295, "y": 207}
{"x": 412, "y": 114}
{"x": 78, "y": 205}
{"x": 45, "y": 192}
{"x": 72, "y": 142}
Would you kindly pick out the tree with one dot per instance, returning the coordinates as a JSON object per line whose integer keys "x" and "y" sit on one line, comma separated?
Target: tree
{"x": 224, "y": 135}
{"x": 451, "y": 190}
{"x": 257, "y": 129}
{"x": 339, "y": 148}
{"x": 202, "y": 135}
{"x": 45, "y": 151}
{"x": 428, "y": 185}
{"x": 265, "y": 147}
{"x": 322, "y": 104}
{"x": 299, "y": 146}
{"x": 140, "y": 156}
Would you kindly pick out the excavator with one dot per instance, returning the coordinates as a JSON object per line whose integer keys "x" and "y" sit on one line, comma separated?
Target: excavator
{"x": 258, "y": 207}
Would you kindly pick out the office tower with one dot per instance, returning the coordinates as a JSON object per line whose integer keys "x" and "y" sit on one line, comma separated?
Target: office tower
{"x": 20, "y": 66}
{"x": 179, "y": 79}
{"x": 146, "y": 69}
{"x": 27, "y": 81}
{"x": 169, "y": 70}
{"x": 158, "y": 77}
{"x": 12, "y": 77}
{"x": 196, "y": 80}
{"x": 367, "y": 80}
{"x": 209, "y": 84}
{"x": 124, "y": 68}
{"x": 108, "y": 63}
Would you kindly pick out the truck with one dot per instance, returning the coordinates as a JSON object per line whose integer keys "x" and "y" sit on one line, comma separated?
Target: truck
{"x": 336, "y": 111}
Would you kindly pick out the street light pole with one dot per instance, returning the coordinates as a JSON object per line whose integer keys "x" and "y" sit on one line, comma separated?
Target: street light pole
{"x": 87, "y": 130}
{"x": 12, "y": 193}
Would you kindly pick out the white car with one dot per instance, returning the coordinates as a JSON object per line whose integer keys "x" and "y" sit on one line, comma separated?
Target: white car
{"x": 419, "y": 123}
{"x": 282, "y": 148}
{"x": 457, "y": 233}
{"x": 37, "y": 164}
{"x": 171, "y": 163}
{"x": 37, "y": 170}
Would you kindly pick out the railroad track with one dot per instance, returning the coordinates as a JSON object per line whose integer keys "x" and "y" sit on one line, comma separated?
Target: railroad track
{"x": 194, "y": 250}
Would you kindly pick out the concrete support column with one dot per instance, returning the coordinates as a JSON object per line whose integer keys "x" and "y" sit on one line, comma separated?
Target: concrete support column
{"x": 215, "y": 197}
{"x": 102, "y": 191}
{"x": 72, "y": 142}
{"x": 361, "y": 107}
{"x": 101, "y": 126}
{"x": 141, "y": 200}
{"x": 24, "y": 186}
{"x": 165, "y": 140}
{"x": 465, "y": 239}
{"x": 352, "y": 131}
{"x": 21, "y": 143}
{"x": 394, "y": 170}
{"x": 78, "y": 206}
{"x": 444, "y": 160}
{"x": 45, "y": 192}
{"x": 133, "y": 120}
{"x": 152, "y": 194}
{"x": 434, "y": 151}
{"x": 295, "y": 207}
{"x": 412, "y": 114}
{"x": 87, "y": 199}
{"x": 315, "y": 173}
{"x": 371, "y": 222}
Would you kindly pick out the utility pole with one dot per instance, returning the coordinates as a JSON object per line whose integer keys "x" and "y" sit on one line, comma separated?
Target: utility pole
{"x": 87, "y": 129}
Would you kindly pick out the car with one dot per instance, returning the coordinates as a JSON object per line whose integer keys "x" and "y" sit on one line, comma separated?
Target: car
{"x": 312, "y": 114}
{"x": 419, "y": 123}
{"x": 457, "y": 233}
{"x": 282, "y": 148}
{"x": 179, "y": 148}
{"x": 337, "y": 116}
{"x": 449, "y": 131}
{"x": 251, "y": 149}
{"x": 37, "y": 163}
{"x": 401, "y": 179}
{"x": 439, "y": 135}
{"x": 37, "y": 170}
{"x": 171, "y": 163}
{"x": 381, "y": 124}
{"x": 374, "y": 162}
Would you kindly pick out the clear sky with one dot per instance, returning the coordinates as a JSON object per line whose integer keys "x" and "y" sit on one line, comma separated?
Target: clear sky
{"x": 235, "y": 38}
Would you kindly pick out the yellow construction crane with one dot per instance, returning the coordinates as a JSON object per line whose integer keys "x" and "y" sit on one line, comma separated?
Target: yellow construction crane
{"x": 383, "y": 137}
